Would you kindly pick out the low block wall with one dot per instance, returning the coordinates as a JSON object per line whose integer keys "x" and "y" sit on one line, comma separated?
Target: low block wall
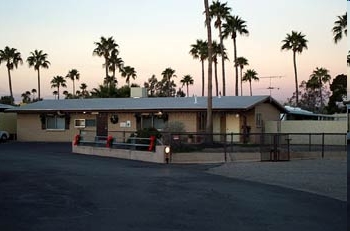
{"x": 155, "y": 157}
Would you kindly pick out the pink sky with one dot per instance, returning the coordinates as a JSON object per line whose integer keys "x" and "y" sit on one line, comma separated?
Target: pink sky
{"x": 155, "y": 35}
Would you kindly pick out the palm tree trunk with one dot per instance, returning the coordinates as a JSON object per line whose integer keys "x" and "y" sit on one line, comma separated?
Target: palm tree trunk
{"x": 187, "y": 89}
{"x": 10, "y": 83}
{"x": 241, "y": 83}
{"x": 209, "y": 124}
{"x": 39, "y": 84}
{"x": 203, "y": 78}
{"x": 296, "y": 79}
{"x": 73, "y": 87}
{"x": 58, "y": 92}
{"x": 222, "y": 62}
{"x": 216, "y": 78}
{"x": 236, "y": 67}
{"x": 321, "y": 106}
{"x": 250, "y": 86}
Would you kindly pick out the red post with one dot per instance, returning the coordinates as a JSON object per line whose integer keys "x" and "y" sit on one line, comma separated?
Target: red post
{"x": 152, "y": 140}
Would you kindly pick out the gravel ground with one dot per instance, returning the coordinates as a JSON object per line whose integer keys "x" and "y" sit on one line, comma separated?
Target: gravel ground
{"x": 323, "y": 177}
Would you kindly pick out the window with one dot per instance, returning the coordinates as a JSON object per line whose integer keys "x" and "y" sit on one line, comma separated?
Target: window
{"x": 55, "y": 123}
{"x": 258, "y": 120}
{"x": 90, "y": 123}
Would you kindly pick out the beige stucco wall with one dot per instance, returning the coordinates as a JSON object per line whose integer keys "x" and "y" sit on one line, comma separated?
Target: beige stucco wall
{"x": 187, "y": 118}
{"x": 307, "y": 126}
{"x": 29, "y": 129}
{"x": 310, "y": 126}
{"x": 8, "y": 122}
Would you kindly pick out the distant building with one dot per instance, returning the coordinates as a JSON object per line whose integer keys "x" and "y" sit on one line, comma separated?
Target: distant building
{"x": 296, "y": 113}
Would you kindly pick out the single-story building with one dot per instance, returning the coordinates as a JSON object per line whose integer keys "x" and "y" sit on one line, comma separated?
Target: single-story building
{"x": 61, "y": 120}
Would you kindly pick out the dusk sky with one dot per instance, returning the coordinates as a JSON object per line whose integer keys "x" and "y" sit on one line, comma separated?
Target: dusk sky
{"x": 155, "y": 34}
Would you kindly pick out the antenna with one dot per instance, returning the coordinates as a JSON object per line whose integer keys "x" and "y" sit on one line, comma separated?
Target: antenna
{"x": 270, "y": 87}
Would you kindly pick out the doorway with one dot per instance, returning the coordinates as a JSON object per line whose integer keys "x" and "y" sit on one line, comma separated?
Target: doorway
{"x": 102, "y": 124}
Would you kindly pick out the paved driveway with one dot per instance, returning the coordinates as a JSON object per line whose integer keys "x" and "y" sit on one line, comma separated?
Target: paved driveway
{"x": 45, "y": 187}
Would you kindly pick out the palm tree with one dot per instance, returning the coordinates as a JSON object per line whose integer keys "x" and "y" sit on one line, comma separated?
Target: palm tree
{"x": 217, "y": 51}
{"x": 340, "y": 28}
{"x": 12, "y": 58}
{"x": 209, "y": 122}
{"x": 250, "y": 75}
{"x": 199, "y": 50}
{"x": 241, "y": 62}
{"x": 73, "y": 75}
{"x": 83, "y": 88}
{"x": 128, "y": 72}
{"x": 348, "y": 58}
{"x": 38, "y": 59}
{"x": 187, "y": 80}
{"x": 167, "y": 74}
{"x": 221, "y": 12}
{"x": 320, "y": 76}
{"x": 104, "y": 49}
{"x": 115, "y": 63}
{"x": 26, "y": 97}
{"x": 235, "y": 25}
{"x": 55, "y": 93}
{"x": 297, "y": 43}
{"x": 57, "y": 82}
{"x": 151, "y": 86}
{"x": 33, "y": 93}
{"x": 66, "y": 94}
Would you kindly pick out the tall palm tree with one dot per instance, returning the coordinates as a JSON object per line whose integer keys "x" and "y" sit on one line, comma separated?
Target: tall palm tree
{"x": 216, "y": 51}
{"x": 115, "y": 63}
{"x": 38, "y": 59}
{"x": 235, "y": 25}
{"x": 250, "y": 75}
{"x": 57, "y": 82}
{"x": 241, "y": 62}
{"x": 340, "y": 28}
{"x": 199, "y": 50}
{"x": 297, "y": 43}
{"x": 209, "y": 122}
{"x": 187, "y": 80}
{"x": 168, "y": 74}
{"x": 73, "y": 75}
{"x": 128, "y": 72}
{"x": 221, "y": 11}
{"x": 104, "y": 48}
{"x": 320, "y": 76}
{"x": 12, "y": 58}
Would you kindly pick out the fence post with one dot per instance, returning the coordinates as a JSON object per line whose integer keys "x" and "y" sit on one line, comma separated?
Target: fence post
{"x": 231, "y": 141}
{"x": 322, "y": 145}
{"x": 225, "y": 148}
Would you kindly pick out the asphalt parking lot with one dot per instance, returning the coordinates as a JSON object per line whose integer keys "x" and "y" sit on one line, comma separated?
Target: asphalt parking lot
{"x": 43, "y": 186}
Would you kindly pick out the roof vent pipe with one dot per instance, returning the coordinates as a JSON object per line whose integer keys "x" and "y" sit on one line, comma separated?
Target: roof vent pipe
{"x": 195, "y": 99}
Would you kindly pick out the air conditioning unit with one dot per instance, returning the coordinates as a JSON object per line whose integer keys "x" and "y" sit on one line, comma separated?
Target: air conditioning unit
{"x": 79, "y": 123}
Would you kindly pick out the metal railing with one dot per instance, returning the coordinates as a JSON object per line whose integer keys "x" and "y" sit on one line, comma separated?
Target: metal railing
{"x": 119, "y": 140}
{"x": 265, "y": 143}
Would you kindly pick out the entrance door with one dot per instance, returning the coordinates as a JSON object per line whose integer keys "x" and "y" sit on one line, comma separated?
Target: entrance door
{"x": 102, "y": 124}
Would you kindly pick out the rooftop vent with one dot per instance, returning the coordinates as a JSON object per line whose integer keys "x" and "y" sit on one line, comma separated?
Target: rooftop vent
{"x": 138, "y": 92}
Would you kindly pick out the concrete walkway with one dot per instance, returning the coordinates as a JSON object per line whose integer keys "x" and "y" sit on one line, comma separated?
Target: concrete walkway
{"x": 322, "y": 177}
